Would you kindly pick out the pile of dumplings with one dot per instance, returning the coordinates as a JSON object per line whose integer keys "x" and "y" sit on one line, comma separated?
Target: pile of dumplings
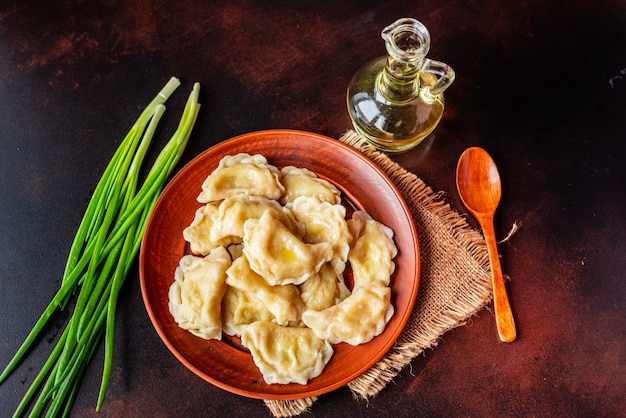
{"x": 269, "y": 249}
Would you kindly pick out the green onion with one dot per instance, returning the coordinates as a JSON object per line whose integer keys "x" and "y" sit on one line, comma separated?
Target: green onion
{"x": 105, "y": 246}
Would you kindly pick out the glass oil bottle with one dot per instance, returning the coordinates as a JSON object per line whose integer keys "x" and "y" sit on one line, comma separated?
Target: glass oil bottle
{"x": 396, "y": 101}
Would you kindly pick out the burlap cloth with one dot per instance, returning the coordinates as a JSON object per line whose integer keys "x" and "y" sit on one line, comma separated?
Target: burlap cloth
{"x": 454, "y": 284}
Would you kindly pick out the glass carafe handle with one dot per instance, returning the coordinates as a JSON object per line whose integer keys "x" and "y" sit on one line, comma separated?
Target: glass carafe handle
{"x": 445, "y": 75}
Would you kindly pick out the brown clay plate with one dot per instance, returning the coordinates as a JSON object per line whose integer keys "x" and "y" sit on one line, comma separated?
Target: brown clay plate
{"x": 363, "y": 185}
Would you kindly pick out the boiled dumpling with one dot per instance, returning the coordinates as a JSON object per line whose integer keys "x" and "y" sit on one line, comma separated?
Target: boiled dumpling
{"x": 195, "y": 296}
{"x": 198, "y": 233}
{"x": 355, "y": 320}
{"x": 324, "y": 289}
{"x": 325, "y": 222}
{"x": 286, "y": 354}
{"x": 240, "y": 310}
{"x": 282, "y": 301}
{"x": 242, "y": 174}
{"x": 304, "y": 182}
{"x": 372, "y": 252}
{"x": 234, "y": 211}
{"x": 279, "y": 256}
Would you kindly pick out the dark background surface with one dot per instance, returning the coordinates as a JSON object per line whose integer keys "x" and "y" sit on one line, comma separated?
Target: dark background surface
{"x": 540, "y": 85}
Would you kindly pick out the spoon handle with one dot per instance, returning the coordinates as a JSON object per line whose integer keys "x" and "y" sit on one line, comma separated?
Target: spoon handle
{"x": 504, "y": 315}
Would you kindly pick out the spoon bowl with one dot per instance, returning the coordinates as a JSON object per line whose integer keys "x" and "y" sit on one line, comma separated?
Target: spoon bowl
{"x": 478, "y": 183}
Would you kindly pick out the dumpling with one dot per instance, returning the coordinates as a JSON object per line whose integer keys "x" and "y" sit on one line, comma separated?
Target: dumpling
{"x": 242, "y": 174}
{"x": 279, "y": 256}
{"x": 324, "y": 289}
{"x": 198, "y": 233}
{"x": 195, "y": 297}
{"x": 240, "y": 310}
{"x": 235, "y": 210}
{"x": 304, "y": 182}
{"x": 372, "y": 252}
{"x": 286, "y": 354}
{"x": 355, "y": 320}
{"x": 282, "y": 301}
{"x": 325, "y": 222}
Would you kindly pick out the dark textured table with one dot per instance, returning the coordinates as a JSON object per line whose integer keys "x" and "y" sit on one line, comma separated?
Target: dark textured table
{"x": 540, "y": 84}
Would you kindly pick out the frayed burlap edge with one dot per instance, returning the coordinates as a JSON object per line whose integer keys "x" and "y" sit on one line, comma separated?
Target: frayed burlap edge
{"x": 290, "y": 408}
{"x": 436, "y": 310}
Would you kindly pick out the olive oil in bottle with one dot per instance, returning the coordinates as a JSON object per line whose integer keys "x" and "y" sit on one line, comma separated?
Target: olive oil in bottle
{"x": 396, "y": 101}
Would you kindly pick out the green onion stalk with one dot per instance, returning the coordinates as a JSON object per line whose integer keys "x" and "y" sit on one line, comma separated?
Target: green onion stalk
{"x": 103, "y": 250}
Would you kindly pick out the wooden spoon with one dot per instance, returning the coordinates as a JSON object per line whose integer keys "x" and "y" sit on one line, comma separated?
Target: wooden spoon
{"x": 478, "y": 183}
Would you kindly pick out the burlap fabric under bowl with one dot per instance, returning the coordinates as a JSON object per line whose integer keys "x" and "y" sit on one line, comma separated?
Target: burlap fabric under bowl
{"x": 454, "y": 284}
